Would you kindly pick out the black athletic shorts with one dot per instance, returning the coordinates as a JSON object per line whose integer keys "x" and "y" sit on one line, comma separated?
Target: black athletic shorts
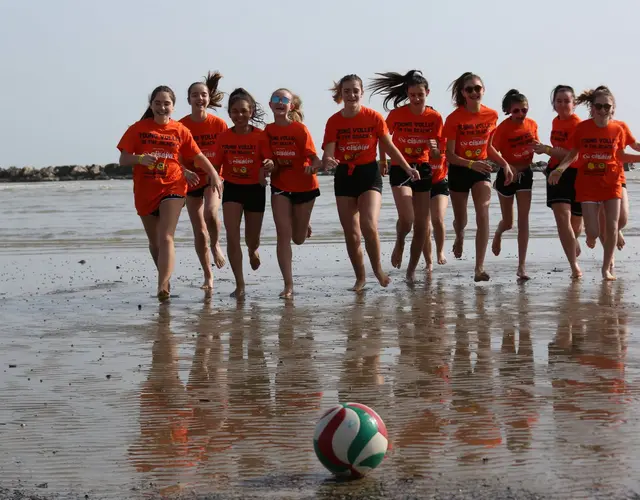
{"x": 197, "y": 193}
{"x": 564, "y": 191}
{"x": 398, "y": 177}
{"x": 462, "y": 179}
{"x": 156, "y": 212}
{"x": 252, "y": 197}
{"x": 440, "y": 188}
{"x": 296, "y": 198}
{"x": 354, "y": 181}
{"x": 522, "y": 181}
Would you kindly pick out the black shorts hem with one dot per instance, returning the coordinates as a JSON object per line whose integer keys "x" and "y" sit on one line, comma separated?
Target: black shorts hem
{"x": 197, "y": 193}
{"x": 355, "y": 181}
{"x": 462, "y": 179}
{"x": 398, "y": 177}
{"x": 252, "y": 197}
{"x": 156, "y": 212}
{"x": 523, "y": 181}
{"x": 440, "y": 188}
{"x": 296, "y": 197}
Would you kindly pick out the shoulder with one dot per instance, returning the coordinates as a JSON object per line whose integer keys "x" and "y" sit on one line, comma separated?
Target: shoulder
{"x": 185, "y": 120}
{"x": 371, "y": 113}
{"x": 488, "y": 112}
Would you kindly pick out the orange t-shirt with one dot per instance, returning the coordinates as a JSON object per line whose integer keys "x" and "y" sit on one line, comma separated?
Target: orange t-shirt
{"x": 513, "y": 140}
{"x": 411, "y": 133}
{"x": 205, "y": 134}
{"x": 167, "y": 142}
{"x": 357, "y": 137}
{"x": 471, "y": 131}
{"x": 293, "y": 148}
{"x": 561, "y": 131}
{"x": 628, "y": 141}
{"x": 439, "y": 168}
{"x": 241, "y": 155}
{"x": 599, "y": 170}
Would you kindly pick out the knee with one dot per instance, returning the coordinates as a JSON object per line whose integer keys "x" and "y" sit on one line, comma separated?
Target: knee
{"x": 165, "y": 239}
{"x": 210, "y": 217}
{"x": 507, "y": 223}
{"x": 405, "y": 223}
{"x": 201, "y": 236}
{"x": 299, "y": 239}
{"x": 368, "y": 226}
{"x": 592, "y": 231}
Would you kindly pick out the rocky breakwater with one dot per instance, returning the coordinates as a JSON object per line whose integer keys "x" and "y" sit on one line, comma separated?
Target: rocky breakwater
{"x": 65, "y": 173}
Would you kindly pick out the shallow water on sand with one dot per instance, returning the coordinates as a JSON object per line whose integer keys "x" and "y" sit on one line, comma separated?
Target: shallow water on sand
{"x": 106, "y": 393}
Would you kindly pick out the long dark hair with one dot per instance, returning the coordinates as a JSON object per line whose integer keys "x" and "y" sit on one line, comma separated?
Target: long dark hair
{"x": 211, "y": 82}
{"x": 240, "y": 94}
{"x": 395, "y": 87}
{"x": 162, "y": 88}
{"x": 457, "y": 86}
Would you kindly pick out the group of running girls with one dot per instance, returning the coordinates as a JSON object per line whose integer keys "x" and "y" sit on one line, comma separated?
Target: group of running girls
{"x": 430, "y": 160}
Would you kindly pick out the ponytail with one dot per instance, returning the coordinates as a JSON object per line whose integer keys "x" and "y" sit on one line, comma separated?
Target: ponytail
{"x": 510, "y": 98}
{"x": 296, "y": 114}
{"x": 395, "y": 86}
{"x": 162, "y": 88}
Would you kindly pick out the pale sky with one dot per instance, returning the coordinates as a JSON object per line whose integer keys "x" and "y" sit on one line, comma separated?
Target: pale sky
{"x": 76, "y": 73}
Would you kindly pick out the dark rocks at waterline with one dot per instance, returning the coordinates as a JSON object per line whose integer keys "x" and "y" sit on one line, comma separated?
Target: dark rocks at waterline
{"x": 66, "y": 173}
{"x": 116, "y": 171}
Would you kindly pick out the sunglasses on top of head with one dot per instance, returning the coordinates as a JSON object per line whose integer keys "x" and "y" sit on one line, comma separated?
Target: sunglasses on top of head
{"x": 473, "y": 88}
{"x": 517, "y": 111}
{"x": 598, "y": 106}
{"x": 275, "y": 99}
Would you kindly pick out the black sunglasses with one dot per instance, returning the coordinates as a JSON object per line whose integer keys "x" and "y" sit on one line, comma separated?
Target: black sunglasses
{"x": 517, "y": 111}
{"x": 606, "y": 107}
{"x": 474, "y": 88}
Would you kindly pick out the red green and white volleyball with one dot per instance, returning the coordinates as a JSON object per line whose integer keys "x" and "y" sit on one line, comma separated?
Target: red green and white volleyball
{"x": 350, "y": 440}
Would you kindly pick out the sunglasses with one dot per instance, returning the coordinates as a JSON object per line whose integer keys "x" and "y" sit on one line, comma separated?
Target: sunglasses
{"x": 474, "y": 88}
{"x": 606, "y": 107}
{"x": 276, "y": 99}
{"x": 517, "y": 111}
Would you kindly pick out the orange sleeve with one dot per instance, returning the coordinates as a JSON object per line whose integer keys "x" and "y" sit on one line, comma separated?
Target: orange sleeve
{"x": 307, "y": 143}
{"x": 628, "y": 136}
{"x": 381, "y": 126}
{"x": 391, "y": 122}
{"x": 496, "y": 138}
{"x": 218, "y": 156}
{"x": 573, "y": 141}
{"x": 264, "y": 146}
{"x": 188, "y": 146}
{"x": 128, "y": 141}
{"x": 449, "y": 128}
{"x": 535, "y": 132}
{"x": 439, "y": 128}
{"x": 330, "y": 133}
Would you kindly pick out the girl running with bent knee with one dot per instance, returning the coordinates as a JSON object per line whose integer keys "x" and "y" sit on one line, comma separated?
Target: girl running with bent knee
{"x": 416, "y": 129}
{"x": 561, "y": 192}
{"x": 467, "y": 130}
{"x": 152, "y": 147}
{"x": 245, "y": 157}
{"x": 294, "y": 185}
{"x": 203, "y": 203}
{"x": 350, "y": 146}
{"x": 513, "y": 139}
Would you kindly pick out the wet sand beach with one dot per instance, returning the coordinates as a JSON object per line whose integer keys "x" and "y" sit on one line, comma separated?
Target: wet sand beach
{"x": 496, "y": 390}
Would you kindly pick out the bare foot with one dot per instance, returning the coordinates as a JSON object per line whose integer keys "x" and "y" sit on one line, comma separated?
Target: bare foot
{"x": 396, "y": 255}
{"x": 218, "y": 257}
{"x": 208, "y": 283}
{"x": 522, "y": 275}
{"x": 591, "y": 242}
{"x": 287, "y": 293}
{"x": 481, "y": 276}
{"x": 254, "y": 260}
{"x": 309, "y": 231}
{"x": 441, "y": 259}
{"x": 359, "y": 285}
{"x": 578, "y": 248}
{"x": 238, "y": 293}
{"x": 607, "y": 275}
{"x": 410, "y": 277}
{"x": 383, "y": 278}
{"x": 458, "y": 245}
{"x": 621, "y": 242}
{"x": 496, "y": 246}
{"x": 163, "y": 295}
{"x": 576, "y": 273}
{"x": 429, "y": 266}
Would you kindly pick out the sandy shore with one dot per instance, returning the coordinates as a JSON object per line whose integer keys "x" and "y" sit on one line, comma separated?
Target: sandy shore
{"x": 491, "y": 391}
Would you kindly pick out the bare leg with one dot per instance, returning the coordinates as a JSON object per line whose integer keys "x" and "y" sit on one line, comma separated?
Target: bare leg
{"x": 612, "y": 216}
{"x": 524, "y": 207}
{"x": 252, "y": 230}
{"x": 212, "y": 219}
{"x": 624, "y": 218}
{"x": 169, "y": 214}
{"x": 195, "y": 208}
{"x": 403, "y": 197}
{"x": 505, "y": 224}
{"x": 369, "y": 204}
{"x": 350, "y": 221}
{"x": 438, "y": 209}
{"x": 459, "y": 204}
{"x": 591, "y": 216}
{"x": 568, "y": 239}
{"x": 232, "y": 219}
{"x": 282, "y": 216}
{"x": 576, "y": 225}
{"x": 481, "y": 193}
{"x": 421, "y": 206}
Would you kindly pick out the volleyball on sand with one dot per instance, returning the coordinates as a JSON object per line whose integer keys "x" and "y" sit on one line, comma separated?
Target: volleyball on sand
{"x": 350, "y": 440}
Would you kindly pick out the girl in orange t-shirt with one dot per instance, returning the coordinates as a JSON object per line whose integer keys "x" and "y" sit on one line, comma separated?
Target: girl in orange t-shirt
{"x": 416, "y": 129}
{"x": 244, "y": 155}
{"x": 467, "y": 130}
{"x": 513, "y": 141}
{"x": 561, "y": 192}
{"x": 597, "y": 145}
{"x": 350, "y": 145}
{"x": 152, "y": 146}
{"x": 294, "y": 184}
{"x": 203, "y": 203}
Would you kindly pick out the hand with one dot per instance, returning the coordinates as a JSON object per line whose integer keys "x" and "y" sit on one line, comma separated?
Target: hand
{"x": 414, "y": 174}
{"x": 263, "y": 177}
{"x": 192, "y": 178}
{"x": 384, "y": 168}
{"x": 147, "y": 160}
{"x": 216, "y": 184}
{"x": 554, "y": 176}
{"x": 540, "y": 148}
{"x": 434, "y": 150}
{"x": 329, "y": 162}
{"x": 316, "y": 165}
{"x": 508, "y": 175}
{"x": 268, "y": 165}
{"x": 482, "y": 167}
